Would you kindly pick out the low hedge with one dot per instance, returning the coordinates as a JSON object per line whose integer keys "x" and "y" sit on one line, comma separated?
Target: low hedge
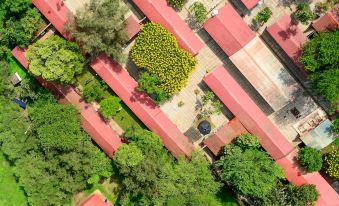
{"x": 156, "y": 51}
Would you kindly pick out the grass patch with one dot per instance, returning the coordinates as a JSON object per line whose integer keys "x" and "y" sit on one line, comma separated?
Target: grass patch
{"x": 329, "y": 148}
{"x": 109, "y": 188}
{"x": 10, "y": 192}
{"x": 15, "y": 66}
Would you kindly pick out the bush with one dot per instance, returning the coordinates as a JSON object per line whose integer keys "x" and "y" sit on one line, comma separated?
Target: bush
{"x": 110, "y": 106}
{"x": 310, "y": 158}
{"x": 264, "y": 15}
{"x": 331, "y": 164}
{"x": 55, "y": 59}
{"x": 199, "y": 12}
{"x": 177, "y": 4}
{"x": 150, "y": 84}
{"x": 94, "y": 91}
{"x": 335, "y": 125}
{"x": 304, "y": 13}
{"x": 247, "y": 141}
{"x": 157, "y": 51}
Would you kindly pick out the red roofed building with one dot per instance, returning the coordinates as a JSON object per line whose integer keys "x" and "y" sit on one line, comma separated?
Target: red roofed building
{"x": 328, "y": 22}
{"x": 271, "y": 139}
{"x": 250, "y": 4}
{"x": 106, "y": 138}
{"x": 224, "y": 136}
{"x": 95, "y": 200}
{"x": 132, "y": 26}
{"x": 289, "y": 37}
{"x": 160, "y": 12}
{"x": 142, "y": 105}
{"x": 229, "y": 30}
{"x": 252, "y": 57}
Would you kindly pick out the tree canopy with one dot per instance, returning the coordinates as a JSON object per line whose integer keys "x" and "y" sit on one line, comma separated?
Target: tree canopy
{"x": 152, "y": 177}
{"x": 320, "y": 57}
{"x": 55, "y": 59}
{"x": 99, "y": 27}
{"x": 53, "y": 157}
{"x": 310, "y": 159}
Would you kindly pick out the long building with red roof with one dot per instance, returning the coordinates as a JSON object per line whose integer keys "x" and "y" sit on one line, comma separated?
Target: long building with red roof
{"x": 96, "y": 199}
{"x": 101, "y": 133}
{"x": 252, "y": 57}
{"x": 271, "y": 139}
{"x": 289, "y": 37}
{"x": 160, "y": 12}
{"x": 328, "y": 22}
{"x": 142, "y": 105}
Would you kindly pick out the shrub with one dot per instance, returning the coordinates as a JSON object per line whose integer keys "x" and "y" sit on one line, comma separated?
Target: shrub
{"x": 264, "y": 15}
{"x": 304, "y": 13}
{"x": 199, "y": 12}
{"x": 110, "y": 106}
{"x": 55, "y": 59}
{"x": 177, "y": 4}
{"x": 94, "y": 91}
{"x": 150, "y": 84}
{"x": 157, "y": 51}
{"x": 335, "y": 125}
{"x": 247, "y": 141}
{"x": 331, "y": 164}
{"x": 310, "y": 158}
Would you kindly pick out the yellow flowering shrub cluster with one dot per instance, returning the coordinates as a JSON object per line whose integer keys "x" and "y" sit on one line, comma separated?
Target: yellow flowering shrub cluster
{"x": 156, "y": 50}
{"x": 332, "y": 164}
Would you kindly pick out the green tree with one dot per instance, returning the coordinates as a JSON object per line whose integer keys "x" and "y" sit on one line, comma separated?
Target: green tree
{"x": 110, "y": 106}
{"x": 331, "y": 164}
{"x": 304, "y": 13}
{"x": 55, "y": 59}
{"x": 100, "y": 27}
{"x": 199, "y": 12}
{"x": 251, "y": 172}
{"x": 177, "y": 4}
{"x": 335, "y": 123}
{"x": 94, "y": 91}
{"x": 310, "y": 159}
{"x": 150, "y": 84}
{"x": 247, "y": 141}
{"x": 264, "y": 15}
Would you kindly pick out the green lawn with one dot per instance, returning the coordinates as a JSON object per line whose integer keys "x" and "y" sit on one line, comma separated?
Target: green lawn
{"x": 15, "y": 66}
{"x": 10, "y": 192}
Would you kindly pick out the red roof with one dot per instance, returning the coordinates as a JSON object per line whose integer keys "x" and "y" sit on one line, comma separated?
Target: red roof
{"x": 328, "y": 196}
{"x": 289, "y": 37}
{"x": 94, "y": 200}
{"x": 132, "y": 26}
{"x": 249, "y": 114}
{"x": 160, "y": 12}
{"x": 229, "y": 30}
{"x": 142, "y": 105}
{"x": 250, "y": 4}
{"x": 107, "y": 139}
{"x": 224, "y": 136}
{"x": 256, "y": 122}
{"x": 55, "y": 11}
{"x": 330, "y": 21}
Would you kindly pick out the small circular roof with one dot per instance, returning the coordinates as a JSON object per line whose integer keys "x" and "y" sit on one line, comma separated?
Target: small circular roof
{"x": 204, "y": 127}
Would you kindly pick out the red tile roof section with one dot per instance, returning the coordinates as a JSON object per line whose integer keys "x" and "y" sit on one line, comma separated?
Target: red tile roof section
{"x": 224, "y": 136}
{"x": 272, "y": 140}
{"x": 250, "y": 4}
{"x": 229, "y": 30}
{"x": 289, "y": 37}
{"x": 160, "y": 12}
{"x": 132, "y": 26}
{"x": 94, "y": 200}
{"x": 107, "y": 139}
{"x": 142, "y": 105}
{"x": 55, "y": 11}
{"x": 330, "y": 21}
{"x": 249, "y": 114}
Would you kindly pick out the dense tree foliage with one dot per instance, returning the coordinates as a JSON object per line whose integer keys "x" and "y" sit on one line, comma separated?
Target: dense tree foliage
{"x": 18, "y": 22}
{"x": 110, "y": 106}
{"x": 94, "y": 91}
{"x": 53, "y": 157}
{"x": 250, "y": 171}
{"x": 304, "y": 13}
{"x": 157, "y": 52}
{"x": 264, "y": 15}
{"x": 150, "y": 84}
{"x": 55, "y": 59}
{"x": 331, "y": 164}
{"x": 199, "y": 12}
{"x": 100, "y": 27}
{"x": 177, "y": 4}
{"x": 310, "y": 159}
{"x": 152, "y": 177}
{"x": 247, "y": 141}
{"x": 320, "y": 57}
{"x": 335, "y": 123}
